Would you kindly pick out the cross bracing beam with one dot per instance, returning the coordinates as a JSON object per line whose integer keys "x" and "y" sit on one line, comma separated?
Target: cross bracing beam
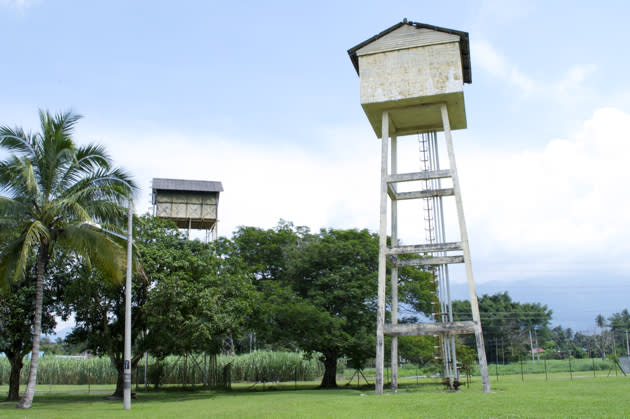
{"x": 425, "y": 261}
{"x": 427, "y": 193}
{"x": 425, "y": 248}
{"x": 420, "y": 329}
{"x": 423, "y": 175}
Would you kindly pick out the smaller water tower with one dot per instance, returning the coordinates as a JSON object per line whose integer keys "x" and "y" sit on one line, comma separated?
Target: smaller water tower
{"x": 191, "y": 204}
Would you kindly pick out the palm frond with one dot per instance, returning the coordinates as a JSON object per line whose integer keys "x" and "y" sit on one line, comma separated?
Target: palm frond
{"x": 16, "y": 140}
{"x": 34, "y": 234}
{"x": 9, "y": 208}
{"x": 8, "y": 261}
{"x": 100, "y": 248}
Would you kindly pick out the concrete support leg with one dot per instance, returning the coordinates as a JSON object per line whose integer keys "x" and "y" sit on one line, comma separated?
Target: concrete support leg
{"x": 394, "y": 270}
{"x": 382, "y": 267}
{"x": 474, "y": 305}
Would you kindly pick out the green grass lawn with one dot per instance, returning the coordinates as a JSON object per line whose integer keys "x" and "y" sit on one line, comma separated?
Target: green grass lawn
{"x": 582, "y": 397}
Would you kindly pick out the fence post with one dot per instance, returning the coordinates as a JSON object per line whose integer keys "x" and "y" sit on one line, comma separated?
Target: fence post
{"x": 570, "y": 369}
{"x": 146, "y": 363}
{"x": 521, "y": 361}
{"x": 205, "y": 369}
{"x": 546, "y": 375}
{"x": 593, "y": 359}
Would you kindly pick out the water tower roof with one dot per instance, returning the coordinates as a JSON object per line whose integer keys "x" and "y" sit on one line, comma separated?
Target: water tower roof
{"x": 463, "y": 45}
{"x": 186, "y": 185}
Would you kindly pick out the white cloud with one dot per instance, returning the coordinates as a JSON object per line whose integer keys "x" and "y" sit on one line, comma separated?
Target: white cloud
{"x": 554, "y": 210}
{"x": 19, "y": 5}
{"x": 264, "y": 183}
{"x": 559, "y": 209}
{"x": 504, "y": 11}
{"x": 491, "y": 61}
{"x": 567, "y": 89}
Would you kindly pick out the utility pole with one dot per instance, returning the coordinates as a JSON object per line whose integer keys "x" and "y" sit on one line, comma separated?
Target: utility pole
{"x": 127, "y": 349}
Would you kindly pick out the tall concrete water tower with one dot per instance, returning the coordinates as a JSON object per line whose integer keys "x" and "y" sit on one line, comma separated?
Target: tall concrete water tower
{"x": 411, "y": 80}
{"x": 191, "y": 204}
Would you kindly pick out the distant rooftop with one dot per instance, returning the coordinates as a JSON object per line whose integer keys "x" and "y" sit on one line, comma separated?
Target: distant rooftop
{"x": 186, "y": 185}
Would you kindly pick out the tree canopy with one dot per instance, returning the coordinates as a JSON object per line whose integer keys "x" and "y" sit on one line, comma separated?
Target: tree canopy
{"x": 198, "y": 296}
{"x": 319, "y": 289}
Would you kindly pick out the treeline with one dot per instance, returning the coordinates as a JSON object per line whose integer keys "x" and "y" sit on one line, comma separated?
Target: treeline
{"x": 514, "y": 331}
{"x": 284, "y": 288}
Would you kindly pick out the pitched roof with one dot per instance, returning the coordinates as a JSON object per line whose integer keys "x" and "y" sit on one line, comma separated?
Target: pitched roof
{"x": 186, "y": 185}
{"x": 463, "y": 45}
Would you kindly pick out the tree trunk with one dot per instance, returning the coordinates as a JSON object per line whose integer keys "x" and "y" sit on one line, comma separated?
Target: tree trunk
{"x": 120, "y": 376}
{"x": 29, "y": 393}
{"x": 330, "y": 371}
{"x": 120, "y": 383}
{"x": 14, "y": 379}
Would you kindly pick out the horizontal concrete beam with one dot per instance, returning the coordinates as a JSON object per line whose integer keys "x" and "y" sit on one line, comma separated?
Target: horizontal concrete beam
{"x": 422, "y": 329}
{"x": 437, "y": 260}
{"x": 424, "y": 248}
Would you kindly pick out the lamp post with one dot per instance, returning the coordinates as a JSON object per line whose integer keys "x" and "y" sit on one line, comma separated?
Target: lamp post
{"x": 127, "y": 337}
{"x": 127, "y": 350}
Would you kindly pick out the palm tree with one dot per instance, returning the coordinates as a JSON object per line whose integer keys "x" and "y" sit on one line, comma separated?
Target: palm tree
{"x": 55, "y": 195}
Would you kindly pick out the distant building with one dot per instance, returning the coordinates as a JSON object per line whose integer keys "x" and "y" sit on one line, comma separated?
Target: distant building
{"x": 191, "y": 204}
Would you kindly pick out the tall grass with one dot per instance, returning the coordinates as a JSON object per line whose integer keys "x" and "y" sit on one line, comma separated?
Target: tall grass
{"x": 259, "y": 366}
{"x": 272, "y": 366}
{"x": 53, "y": 370}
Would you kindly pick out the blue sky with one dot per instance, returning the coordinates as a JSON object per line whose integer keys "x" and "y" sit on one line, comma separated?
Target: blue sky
{"x": 263, "y": 97}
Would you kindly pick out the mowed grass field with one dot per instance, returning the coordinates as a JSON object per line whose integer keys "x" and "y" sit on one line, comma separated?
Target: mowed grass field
{"x": 582, "y": 397}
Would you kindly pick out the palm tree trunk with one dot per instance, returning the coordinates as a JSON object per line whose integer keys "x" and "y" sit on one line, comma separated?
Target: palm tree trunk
{"x": 42, "y": 259}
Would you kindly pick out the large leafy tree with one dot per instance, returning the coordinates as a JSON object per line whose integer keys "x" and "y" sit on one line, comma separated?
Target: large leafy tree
{"x": 198, "y": 296}
{"x": 319, "y": 290}
{"x": 264, "y": 255}
{"x": 54, "y": 195}
{"x": 333, "y": 275}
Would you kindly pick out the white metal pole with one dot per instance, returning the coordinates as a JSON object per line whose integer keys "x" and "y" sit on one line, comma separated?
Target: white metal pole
{"x": 127, "y": 350}
{"x": 627, "y": 345}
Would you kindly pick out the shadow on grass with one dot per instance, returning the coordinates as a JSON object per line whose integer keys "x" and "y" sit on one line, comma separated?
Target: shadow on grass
{"x": 169, "y": 394}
